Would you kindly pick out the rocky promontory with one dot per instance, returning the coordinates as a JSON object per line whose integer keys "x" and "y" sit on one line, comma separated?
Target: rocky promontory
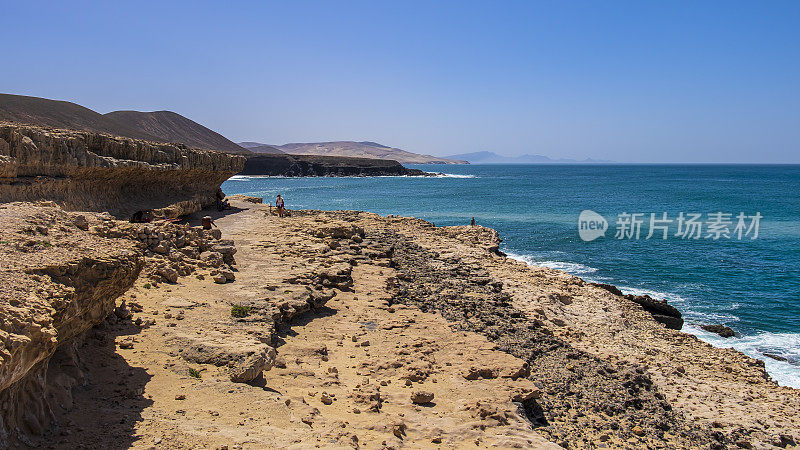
{"x": 89, "y": 171}
{"x": 323, "y": 166}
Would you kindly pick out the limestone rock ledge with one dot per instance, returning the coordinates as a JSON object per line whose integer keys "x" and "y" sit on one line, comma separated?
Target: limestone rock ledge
{"x": 97, "y": 172}
{"x": 57, "y": 280}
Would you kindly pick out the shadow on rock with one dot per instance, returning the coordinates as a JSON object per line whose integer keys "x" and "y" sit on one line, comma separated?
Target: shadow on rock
{"x": 103, "y": 410}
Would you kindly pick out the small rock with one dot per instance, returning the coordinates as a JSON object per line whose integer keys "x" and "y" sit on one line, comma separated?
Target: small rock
{"x": 399, "y": 429}
{"x": 250, "y": 368}
{"x": 180, "y": 397}
{"x": 126, "y": 343}
{"x": 421, "y": 397}
{"x": 228, "y": 274}
{"x": 80, "y": 222}
{"x": 325, "y": 398}
{"x": 637, "y": 430}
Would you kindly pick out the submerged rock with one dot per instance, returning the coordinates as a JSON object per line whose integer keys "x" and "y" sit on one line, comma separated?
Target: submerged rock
{"x": 721, "y": 330}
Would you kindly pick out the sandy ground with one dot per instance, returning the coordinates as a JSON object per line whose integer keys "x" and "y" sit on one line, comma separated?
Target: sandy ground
{"x": 344, "y": 378}
{"x": 417, "y": 310}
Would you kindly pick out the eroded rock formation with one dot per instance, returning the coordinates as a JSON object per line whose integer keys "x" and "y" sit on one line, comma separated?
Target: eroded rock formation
{"x": 57, "y": 281}
{"x": 97, "y": 172}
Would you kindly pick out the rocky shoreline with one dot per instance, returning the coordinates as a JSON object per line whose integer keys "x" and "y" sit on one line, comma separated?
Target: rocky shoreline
{"x": 346, "y": 328}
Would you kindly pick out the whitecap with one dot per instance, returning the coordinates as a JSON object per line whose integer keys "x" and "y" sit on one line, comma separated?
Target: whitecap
{"x": 786, "y": 345}
{"x": 569, "y": 267}
{"x": 451, "y": 175}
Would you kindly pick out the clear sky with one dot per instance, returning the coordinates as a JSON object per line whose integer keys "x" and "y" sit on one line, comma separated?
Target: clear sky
{"x": 630, "y": 81}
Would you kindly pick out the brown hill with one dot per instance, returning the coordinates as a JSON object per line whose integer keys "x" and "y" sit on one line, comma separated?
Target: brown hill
{"x": 60, "y": 114}
{"x": 172, "y": 127}
{"x": 363, "y": 150}
{"x": 159, "y": 126}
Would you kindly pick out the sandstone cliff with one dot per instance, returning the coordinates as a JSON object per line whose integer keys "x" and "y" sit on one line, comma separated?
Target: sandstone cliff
{"x": 96, "y": 172}
{"x": 57, "y": 281}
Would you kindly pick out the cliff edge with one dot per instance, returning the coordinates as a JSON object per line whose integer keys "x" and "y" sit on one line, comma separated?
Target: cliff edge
{"x": 90, "y": 171}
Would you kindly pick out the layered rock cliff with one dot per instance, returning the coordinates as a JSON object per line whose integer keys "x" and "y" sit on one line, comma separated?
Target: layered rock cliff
{"x": 97, "y": 172}
{"x": 57, "y": 281}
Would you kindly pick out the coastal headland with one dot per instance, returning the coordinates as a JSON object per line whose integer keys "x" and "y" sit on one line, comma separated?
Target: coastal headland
{"x": 330, "y": 329}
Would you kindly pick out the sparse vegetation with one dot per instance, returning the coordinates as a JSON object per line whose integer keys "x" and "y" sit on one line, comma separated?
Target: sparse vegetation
{"x": 147, "y": 286}
{"x": 194, "y": 373}
{"x": 240, "y": 311}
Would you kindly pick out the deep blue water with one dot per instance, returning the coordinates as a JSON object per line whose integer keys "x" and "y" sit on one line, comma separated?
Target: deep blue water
{"x": 750, "y": 285}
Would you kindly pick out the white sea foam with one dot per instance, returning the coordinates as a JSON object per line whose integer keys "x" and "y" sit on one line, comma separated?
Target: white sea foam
{"x": 450, "y": 175}
{"x": 571, "y": 268}
{"x": 786, "y": 345}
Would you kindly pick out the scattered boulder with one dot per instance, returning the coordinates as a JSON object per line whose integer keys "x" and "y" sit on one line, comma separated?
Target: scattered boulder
{"x": 721, "y": 330}
{"x": 169, "y": 274}
{"x": 228, "y": 274}
{"x": 421, "y": 397}
{"x": 220, "y": 279}
{"x": 248, "y": 369}
{"x": 80, "y": 222}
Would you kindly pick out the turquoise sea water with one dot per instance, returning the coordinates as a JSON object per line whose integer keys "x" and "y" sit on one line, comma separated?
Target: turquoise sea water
{"x": 751, "y": 285}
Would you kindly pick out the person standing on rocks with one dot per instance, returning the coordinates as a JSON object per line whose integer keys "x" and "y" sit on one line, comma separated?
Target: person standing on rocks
{"x": 279, "y": 205}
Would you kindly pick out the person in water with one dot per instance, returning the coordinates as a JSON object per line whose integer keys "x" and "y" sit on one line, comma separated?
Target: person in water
{"x": 279, "y": 204}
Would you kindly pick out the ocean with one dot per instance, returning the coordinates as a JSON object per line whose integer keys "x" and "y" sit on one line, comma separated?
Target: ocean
{"x": 750, "y": 283}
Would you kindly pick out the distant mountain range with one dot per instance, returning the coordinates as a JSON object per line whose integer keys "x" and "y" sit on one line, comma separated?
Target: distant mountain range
{"x": 167, "y": 126}
{"x": 364, "y": 149}
{"x": 158, "y": 126}
{"x": 494, "y": 158}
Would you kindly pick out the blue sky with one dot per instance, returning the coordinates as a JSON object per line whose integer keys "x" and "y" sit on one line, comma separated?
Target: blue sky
{"x": 630, "y": 81}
